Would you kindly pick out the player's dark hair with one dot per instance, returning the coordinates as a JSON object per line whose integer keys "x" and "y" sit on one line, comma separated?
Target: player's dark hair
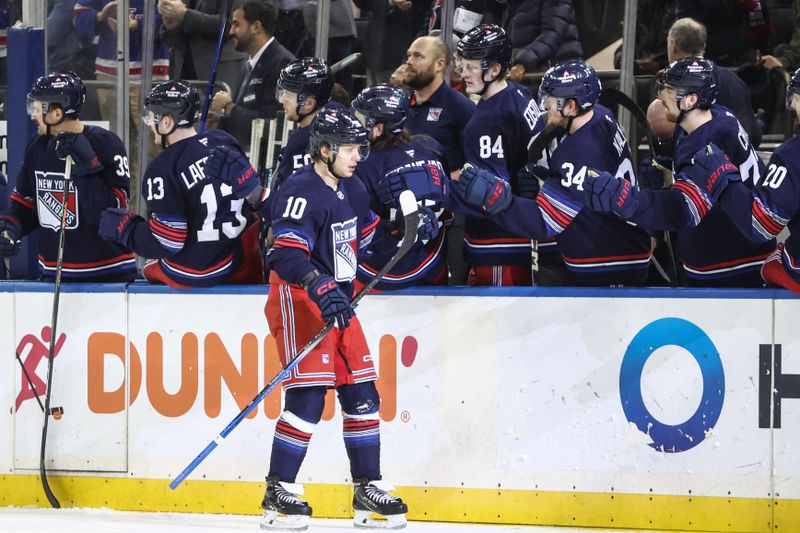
{"x": 315, "y": 152}
{"x": 262, "y": 11}
{"x": 391, "y": 140}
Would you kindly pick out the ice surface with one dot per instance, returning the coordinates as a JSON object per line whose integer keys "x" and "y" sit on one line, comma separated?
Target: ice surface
{"x": 34, "y": 519}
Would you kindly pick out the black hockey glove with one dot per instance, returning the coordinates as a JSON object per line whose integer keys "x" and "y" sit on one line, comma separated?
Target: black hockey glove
{"x": 609, "y": 194}
{"x": 528, "y": 180}
{"x": 650, "y": 175}
{"x": 481, "y": 188}
{"x": 332, "y": 302}
{"x": 76, "y": 145}
{"x": 10, "y": 232}
{"x": 117, "y": 224}
{"x": 711, "y": 170}
{"x": 427, "y": 182}
{"x": 232, "y": 167}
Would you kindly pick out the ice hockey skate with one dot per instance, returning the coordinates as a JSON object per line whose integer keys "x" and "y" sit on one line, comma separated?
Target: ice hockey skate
{"x": 372, "y": 497}
{"x": 283, "y": 510}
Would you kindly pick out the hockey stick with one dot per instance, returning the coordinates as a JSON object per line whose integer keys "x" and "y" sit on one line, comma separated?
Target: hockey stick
{"x": 226, "y": 12}
{"x": 30, "y": 382}
{"x": 408, "y": 206}
{"x": 6, "y": 260}
{"x": 256, "y": 142}
{"x": 269, "y": 156}
{"x": 53, "y": 335}
{"x": 346, "y": 62}
{"x": 539, "y": 147}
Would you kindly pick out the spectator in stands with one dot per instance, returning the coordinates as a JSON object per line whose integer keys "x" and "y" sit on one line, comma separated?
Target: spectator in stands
{"x": 253, "y": 30}
{"x": 686, "y": 38}
{"x": 542, "y": 32}
{"x": 788, "y": 55}
{"x": 293, "y": 30}
{"x": 653, "y": 20}
{"x": 99, "y": 18}
{"x": 341, "y": 35}
{"x": 191, "y": 36}
{"x": 726, "y": 24}
{"x": 66, "y": 49}
{"x": 441, "y": 112}
{"x": 10, "y": 15}
{"x": 393, "y": 25}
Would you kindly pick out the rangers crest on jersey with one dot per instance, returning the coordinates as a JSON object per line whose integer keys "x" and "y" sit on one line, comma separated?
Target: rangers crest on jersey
{"x": 344, "y": 249}
{"x": 49, "y": 196}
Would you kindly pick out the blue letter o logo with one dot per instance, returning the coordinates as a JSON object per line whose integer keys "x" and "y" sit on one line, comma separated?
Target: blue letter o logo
{"x": 677, "y": 332}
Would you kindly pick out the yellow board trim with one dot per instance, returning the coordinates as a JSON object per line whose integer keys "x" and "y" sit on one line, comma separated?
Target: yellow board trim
{"x": 500, "y": 506}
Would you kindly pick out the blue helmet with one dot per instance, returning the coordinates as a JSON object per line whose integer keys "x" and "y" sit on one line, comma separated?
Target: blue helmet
{"x": 63, "y": 89}
{"x": 306, "y": 77}
{"x": 335, "y": 127}
{"x": 487, "y": 42}
{"x": 792, "y": 88}
{"x": 571, "y": 80}
{"x": 691, "y": 75}
{"x": 177, "y": 98}
{"x": 383, "y": 103}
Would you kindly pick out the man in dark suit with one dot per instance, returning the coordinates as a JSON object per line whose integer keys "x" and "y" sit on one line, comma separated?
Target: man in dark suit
{"x": 190, "y": 29}
{"x": 253, "y": 30}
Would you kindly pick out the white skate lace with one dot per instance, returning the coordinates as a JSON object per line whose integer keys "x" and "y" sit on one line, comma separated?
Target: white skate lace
{"x": 377, "y": 495}
{"x": 285, "y": 496}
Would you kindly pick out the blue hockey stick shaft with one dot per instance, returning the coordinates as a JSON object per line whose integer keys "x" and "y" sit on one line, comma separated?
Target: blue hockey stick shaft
{"x": 252, "y": 405}
{"x": 226, "y": 13}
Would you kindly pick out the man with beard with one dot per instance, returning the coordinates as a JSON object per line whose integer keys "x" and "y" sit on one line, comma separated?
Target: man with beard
{"x": 441, "y": 112}
{"x": 253, "y": 29}
{"x": 436, "y": 109}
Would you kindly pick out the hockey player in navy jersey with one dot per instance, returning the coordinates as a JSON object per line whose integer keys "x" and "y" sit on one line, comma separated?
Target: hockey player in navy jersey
{"x": 597, "y": 249}
{"x": 712, "y": 250}
{"x": 496, "y": 139}
{"x": 383, "y": 110}
{"x": 197, "y": 232}
{"x": 322, "y": 222}
{"x": 773, "y": 204}
{"x": 304, "y": 87}
{"x": 99, "y": 179}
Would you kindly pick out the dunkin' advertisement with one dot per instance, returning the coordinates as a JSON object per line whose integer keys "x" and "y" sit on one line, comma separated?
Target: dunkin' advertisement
{"x": 602, "y": 395}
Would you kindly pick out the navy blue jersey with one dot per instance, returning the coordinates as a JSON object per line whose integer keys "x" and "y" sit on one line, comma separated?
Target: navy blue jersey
{"x": 194, "y": 223}
{"x": 715, "y": 251}
{"x": 424, "y": 263}
{"x": 773, "y": 204}
{"x": 36, "y": 202}
{"x": 597, "y": 248}
{"x": 316, "y": 227}
{"x": 496, "y": 138}
{"x": 293, "y": 155}
{"x": 442, "y": 116}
